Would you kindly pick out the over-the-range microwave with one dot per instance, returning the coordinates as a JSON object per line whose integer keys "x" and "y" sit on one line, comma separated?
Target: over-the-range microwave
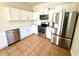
{"x": 43, "y": 17}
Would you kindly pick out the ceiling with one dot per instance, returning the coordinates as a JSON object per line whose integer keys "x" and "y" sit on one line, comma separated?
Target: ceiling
{"x": 23, "y": 3}
{"x": 35, "y": 3}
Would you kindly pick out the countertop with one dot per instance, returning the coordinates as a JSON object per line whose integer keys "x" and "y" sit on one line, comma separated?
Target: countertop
{"x": 2, "y": 29}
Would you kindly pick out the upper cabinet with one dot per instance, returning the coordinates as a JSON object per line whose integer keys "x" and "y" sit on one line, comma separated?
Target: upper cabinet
{"x": 44, "y": 11}
{"x": 70, "y": 7}
{"x": 18, "y": 14}
{"x": 26, "y": 15}
{"x": 13, "y": 14}
{"x": 51, "y": 13}
{"x": 66, "y": 7}
{"x": 36, "y": 15}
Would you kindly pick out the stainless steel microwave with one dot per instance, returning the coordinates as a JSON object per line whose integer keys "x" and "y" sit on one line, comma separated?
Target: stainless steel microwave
{"x": 43, "y": 17}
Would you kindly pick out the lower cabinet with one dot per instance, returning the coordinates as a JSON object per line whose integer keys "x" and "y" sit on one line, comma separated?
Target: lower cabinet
{"x": 28, "y": 30}
{"x": 48, "y": 32}
{"x": 25, "y": 31}
{"x": 35, "y": 29}
{"x": 3, "y": 40}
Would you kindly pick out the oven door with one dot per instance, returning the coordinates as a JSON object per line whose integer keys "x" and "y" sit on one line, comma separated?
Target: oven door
{"x": 41, "y": 29}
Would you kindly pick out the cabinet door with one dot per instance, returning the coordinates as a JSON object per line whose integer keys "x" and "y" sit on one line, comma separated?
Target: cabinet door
{"x": 14, "y": 13}
{"x": 35, "y": 15}
{"x": 44, "y": 11}
{"x": 3, "y": 40}
{"x": 35, "y": 29}
{"x": 48, "y": 32}
{"x": 41, "y": 12}
{"x": 29, "y": 30}
{"x": 23, "y": 15}
{"x": 58, "y": 8}
{"x": 23, "y": 33}
{"x": 51, "y": 13}
{"x": 30, "y": 16}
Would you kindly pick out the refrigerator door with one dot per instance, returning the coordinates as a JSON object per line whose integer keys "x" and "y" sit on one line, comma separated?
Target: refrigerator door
{"x": 71, "y": 24}
{"x": 68, "y": 24}
{"x": 64, "y": 24}
{"x": 57, "y": 20}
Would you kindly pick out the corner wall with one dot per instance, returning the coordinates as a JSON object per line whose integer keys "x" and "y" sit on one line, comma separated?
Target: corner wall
{"x": 75, "y": 43}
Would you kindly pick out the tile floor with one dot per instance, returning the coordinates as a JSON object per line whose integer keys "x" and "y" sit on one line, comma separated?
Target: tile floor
{"x": 34, "y": 45}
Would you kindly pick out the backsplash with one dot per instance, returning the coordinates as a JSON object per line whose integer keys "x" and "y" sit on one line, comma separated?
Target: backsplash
{"x": 20, "y": 23}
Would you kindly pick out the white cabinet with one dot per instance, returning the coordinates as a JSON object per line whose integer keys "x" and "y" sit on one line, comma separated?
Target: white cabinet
{"x": 13, "y": 13}
{"x": 58, "y": 8}
{"x": 23, "y": 15}
{"x": 18, "y": 14}
{"x": 51, "y": 13}
{"x": 66, "y": 7}
{"x": 48, "y": 32}
{"x": 30, "y": 15}
{"x": 28, "y": 30}
{"x": 35, "y": 29}
{"x": 36, "y": 16}
{"x": 3, "y": 40}
{"x": 26, "y": 15}
{"x": 25, "y": 31}
{"x": 70, "y": 7}
{"x": 44, "y": 11}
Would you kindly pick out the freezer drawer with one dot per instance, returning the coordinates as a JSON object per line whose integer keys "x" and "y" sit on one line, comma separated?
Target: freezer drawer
{"x": 62, "y": 42}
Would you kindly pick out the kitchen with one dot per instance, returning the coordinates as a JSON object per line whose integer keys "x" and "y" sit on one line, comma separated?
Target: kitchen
{"x": 22, "y": 23}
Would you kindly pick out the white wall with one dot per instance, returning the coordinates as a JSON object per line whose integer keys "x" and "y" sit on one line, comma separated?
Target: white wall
{"x": 75, "y": 44}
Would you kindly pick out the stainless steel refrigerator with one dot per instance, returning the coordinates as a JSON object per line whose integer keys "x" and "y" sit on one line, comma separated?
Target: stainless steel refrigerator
{"x": 63, "y": 28}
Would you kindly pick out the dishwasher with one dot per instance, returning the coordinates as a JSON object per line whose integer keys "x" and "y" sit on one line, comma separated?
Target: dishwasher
{"x": 13, "y": 36}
